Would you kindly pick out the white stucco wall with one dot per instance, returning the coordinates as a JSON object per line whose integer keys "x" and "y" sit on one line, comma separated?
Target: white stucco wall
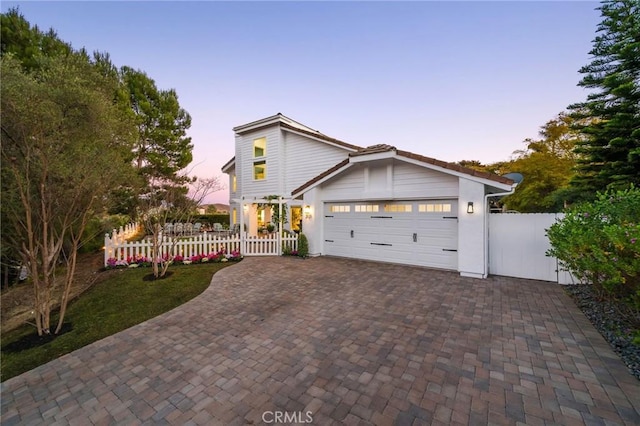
{"x": 471, "y": 229}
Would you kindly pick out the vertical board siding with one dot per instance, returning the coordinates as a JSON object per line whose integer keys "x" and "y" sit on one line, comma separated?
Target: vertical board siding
{"x": 517, "y": 247}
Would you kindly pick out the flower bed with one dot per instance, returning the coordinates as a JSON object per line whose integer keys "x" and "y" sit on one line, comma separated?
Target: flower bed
{"x": 142, "y": 261}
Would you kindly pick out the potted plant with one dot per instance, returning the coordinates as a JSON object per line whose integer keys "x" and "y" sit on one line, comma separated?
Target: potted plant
{"x": 271, "y": 227}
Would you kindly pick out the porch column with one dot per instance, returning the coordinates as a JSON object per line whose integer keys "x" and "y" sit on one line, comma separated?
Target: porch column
{"x": 242, "y": 233}
{"x": 280, "y": 226}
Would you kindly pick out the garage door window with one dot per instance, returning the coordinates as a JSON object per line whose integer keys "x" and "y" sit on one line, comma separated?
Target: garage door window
{"x": 435, "y": 208}
{"x": 340, "y": 209}
{"x": 397, "y": 208}
{"x": 366, "y": 208}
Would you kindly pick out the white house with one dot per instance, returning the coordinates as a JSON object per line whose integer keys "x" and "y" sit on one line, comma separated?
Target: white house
{"x": 377, "y": 203}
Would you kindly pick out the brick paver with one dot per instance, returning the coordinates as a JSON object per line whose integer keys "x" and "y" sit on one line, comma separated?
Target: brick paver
{"x": 352, "y": 342}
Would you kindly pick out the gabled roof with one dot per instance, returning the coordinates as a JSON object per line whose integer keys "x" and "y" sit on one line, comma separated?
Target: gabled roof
{"x": 291, "y": 125}
{"x": 263, "y": 122}
{"x": 381, "y": 149}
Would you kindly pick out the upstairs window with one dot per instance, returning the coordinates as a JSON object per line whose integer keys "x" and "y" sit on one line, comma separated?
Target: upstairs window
{"x": 234, "y": 183}
{"x": 260, "y": 148}
{"x": 259, "y": 170}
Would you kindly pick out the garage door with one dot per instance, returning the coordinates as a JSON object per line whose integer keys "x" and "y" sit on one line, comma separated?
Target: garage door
{"x": 421, "y": 233}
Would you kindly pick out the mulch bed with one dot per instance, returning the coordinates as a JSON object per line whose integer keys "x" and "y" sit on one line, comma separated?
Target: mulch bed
{"x": 607, "y": 319}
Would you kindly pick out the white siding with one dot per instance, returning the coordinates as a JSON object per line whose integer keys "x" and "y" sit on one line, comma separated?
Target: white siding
{"x": 413, "y": 181}
{"x": 390, "y": 180}
{"x": 247, "y": 186}
{"x": 349, "y": 185}
{"x": 305, "y": 159}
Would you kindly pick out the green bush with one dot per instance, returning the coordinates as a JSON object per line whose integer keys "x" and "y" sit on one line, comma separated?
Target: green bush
{"x": 599, "y": 242}
{"x": 303, "y": 245}
{"x": 93, "y": 236}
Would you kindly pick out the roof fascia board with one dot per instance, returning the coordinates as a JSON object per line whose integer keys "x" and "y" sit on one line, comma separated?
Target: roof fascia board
{"x": 257, "y": 124}
{"x": 229, "y": 165}
{"x": 372, "y": 157}
{"x": 484, "y": 181}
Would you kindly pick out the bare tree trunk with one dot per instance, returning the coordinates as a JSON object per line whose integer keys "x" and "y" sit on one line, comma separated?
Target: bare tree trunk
{"x": 155, "y": 252}
{"x": 71, "y": 270}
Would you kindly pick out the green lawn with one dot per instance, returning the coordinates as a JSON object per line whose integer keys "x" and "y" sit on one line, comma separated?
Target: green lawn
{"x": 119, "y": 302}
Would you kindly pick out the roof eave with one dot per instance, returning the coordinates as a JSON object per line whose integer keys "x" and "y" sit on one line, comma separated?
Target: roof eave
{"x": 229, "y": 165}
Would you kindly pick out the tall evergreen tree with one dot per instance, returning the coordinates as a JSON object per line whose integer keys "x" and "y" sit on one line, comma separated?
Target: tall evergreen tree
{"x": 609, "y": 155}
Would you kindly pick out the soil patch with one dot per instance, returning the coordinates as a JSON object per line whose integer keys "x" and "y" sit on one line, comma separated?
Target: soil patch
{"x": 151, "y": 277}
{"x": 18, "y": 301}
{"x": 614, "y": 327}
{"x": 33, "y": 340}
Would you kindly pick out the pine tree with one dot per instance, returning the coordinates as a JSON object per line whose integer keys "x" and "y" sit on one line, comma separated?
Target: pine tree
{"x": 609, "y": 154}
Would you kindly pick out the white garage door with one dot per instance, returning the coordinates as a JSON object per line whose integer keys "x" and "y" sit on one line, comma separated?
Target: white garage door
{"x": 421, "y": 233}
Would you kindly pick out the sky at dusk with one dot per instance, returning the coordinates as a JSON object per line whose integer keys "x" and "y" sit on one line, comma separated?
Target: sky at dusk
{"x": 450, "y": 80}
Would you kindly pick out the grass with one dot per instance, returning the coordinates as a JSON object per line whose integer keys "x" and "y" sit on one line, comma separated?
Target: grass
{"x": 120, "y": 301}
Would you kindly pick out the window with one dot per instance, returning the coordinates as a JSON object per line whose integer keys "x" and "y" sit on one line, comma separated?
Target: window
{"x": 435, "y": 208}
{"x": 234, "y": 183}
{"x": 234, "y": 216}
{"x": 259, "y": 170}
{"x": 397, "y": 208}
{"x": 366, "y": 208}
{"x": 340, "y": 209}
{"x": 260, "y": 152}
{"x": 259, "y": 147}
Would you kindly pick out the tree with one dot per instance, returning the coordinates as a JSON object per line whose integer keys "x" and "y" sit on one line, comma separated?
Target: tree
{"x": 165, "y": 204}
{"x": 610, "y": 117}
{"x": 547, "y": 166}
{"x": 63, "y": 143}
{"x": 26, "y": 43}
{"x": 599, "y": 242}
{"x": 162, "y": 148}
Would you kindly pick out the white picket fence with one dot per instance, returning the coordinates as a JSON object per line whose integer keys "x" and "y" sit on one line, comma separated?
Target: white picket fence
{"x": 124, "y": 232}
{"x": 517, "y": 247}
{"x": 270, "y": 245}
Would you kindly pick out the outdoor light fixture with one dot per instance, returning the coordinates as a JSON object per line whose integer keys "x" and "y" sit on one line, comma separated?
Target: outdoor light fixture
{"x": 470, "y": 207}
{"x": 307, "y": 212}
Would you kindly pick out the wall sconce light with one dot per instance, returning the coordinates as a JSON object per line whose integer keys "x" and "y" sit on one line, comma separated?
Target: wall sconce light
{"x": 470, "y": 207}
{"x": 307, "y": 212}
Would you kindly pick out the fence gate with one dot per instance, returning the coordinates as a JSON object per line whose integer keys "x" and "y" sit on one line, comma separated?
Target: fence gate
{"x": 517, "y": 247}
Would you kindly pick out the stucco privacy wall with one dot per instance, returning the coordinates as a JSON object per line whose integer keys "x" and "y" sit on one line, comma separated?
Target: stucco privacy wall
{"x": 471, "y": 245}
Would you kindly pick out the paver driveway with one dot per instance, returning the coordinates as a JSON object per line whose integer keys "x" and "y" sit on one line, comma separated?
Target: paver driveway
{"x": 349, "y": 341}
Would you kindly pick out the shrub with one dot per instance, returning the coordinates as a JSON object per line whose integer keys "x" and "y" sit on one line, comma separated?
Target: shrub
{"x": 303, "y": 245}
{"x": 93, "y": 236}
{"x": 599, "y": 243}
